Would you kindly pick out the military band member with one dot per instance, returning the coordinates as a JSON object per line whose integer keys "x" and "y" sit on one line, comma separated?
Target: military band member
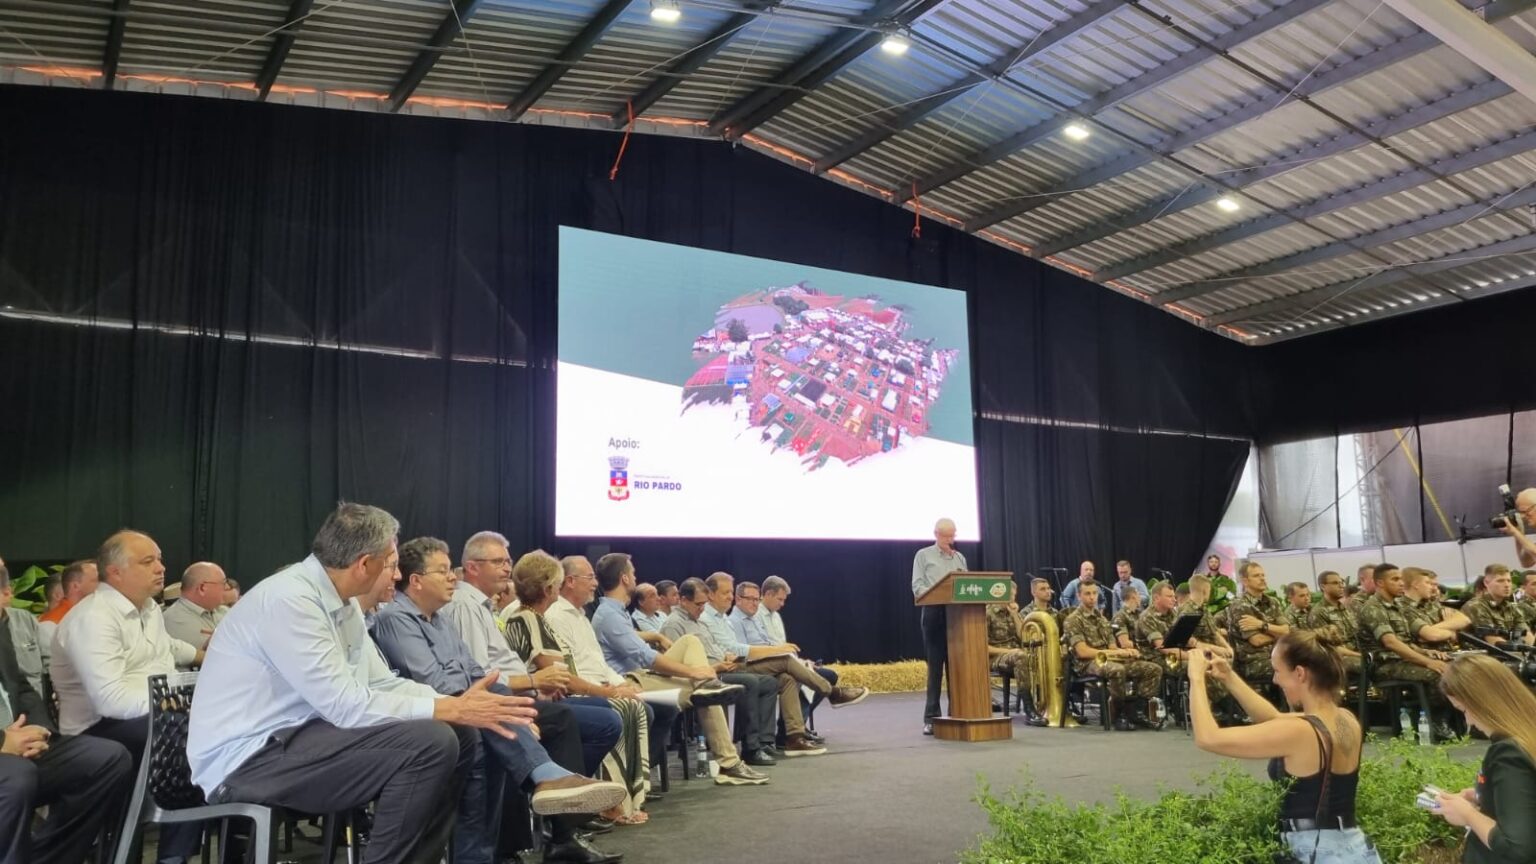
{"x": 1433, "y": 625}
{"x": 1124, "y": 623}
{"x": 1255, "y": 620}
{"x": 1197, "y": 593}
{"x": 1496, "y": 610}
{"x": 1299, "y": 606}
{"x": 1386, "y": 628}
{"x": 1088, "y": 636}
{"x": 1040, "y": 600}
{"x": 1335, "y": 623}
{"x": 1155, "y": 623}
{"x": 1005, "y": 651}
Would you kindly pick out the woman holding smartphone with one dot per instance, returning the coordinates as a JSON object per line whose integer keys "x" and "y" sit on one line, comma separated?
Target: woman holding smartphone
{"x": 1317, "y": 748}
{"x": 1500, "y": 812}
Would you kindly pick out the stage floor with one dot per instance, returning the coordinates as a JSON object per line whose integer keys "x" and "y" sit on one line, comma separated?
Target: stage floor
{"x": 884, "y": 792}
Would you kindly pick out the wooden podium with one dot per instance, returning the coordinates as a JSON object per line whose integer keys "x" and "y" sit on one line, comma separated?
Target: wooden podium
{"x": 966, "y": 595}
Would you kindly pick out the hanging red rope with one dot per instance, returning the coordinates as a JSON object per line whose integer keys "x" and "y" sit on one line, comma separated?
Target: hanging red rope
{"x": 917, "y": 213}
{"x": 613, "y": 173}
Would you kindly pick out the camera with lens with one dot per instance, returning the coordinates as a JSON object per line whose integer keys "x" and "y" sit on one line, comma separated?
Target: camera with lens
{"x": 1510, "y": 516}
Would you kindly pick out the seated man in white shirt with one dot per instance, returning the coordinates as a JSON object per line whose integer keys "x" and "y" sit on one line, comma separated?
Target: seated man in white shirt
{"x": 297, "y": 709}
{"x": 105, "y": 652}
{"x": 200, "y": 607}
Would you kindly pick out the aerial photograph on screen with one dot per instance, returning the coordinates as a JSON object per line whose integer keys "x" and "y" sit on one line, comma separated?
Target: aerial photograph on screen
{"x": 705, "y": 394}
{"x": 827, "y": 376}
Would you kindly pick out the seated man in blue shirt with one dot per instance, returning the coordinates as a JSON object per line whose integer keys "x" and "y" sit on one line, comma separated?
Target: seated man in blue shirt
{"x": 776, "y": 660}
{"x": 423, "y": 645}
{"x": 684, "y": 666}
{"x": 757, "y": 621}
{"x": 1085, "y": 574}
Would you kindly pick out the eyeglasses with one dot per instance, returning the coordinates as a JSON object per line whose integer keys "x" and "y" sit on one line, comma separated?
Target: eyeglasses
{"x": 437, "y": 572}
{"x": 747, "y": 599}
{"x": 494, "y": 562}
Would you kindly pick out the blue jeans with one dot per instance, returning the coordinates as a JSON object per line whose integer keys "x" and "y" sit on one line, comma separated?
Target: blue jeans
{"x": 1331, "y": 846}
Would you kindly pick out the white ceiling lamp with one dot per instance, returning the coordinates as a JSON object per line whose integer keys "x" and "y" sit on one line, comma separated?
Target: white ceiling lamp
{"x": 1228, "y": 204}
{"x": 666, "y": 11}
{"x": 895, "y": 43}
{"x": 1076, "y": 131}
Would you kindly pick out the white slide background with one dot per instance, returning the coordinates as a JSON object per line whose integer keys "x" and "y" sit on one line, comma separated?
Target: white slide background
{"x": 733, "y": 484}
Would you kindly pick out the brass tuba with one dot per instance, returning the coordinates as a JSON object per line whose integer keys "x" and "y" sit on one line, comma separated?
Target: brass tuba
{"x": 1047, "y": 688}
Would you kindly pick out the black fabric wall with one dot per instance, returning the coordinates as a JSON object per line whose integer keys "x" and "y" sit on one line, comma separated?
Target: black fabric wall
{"x": 181, "y": 228}
{"x": 1468, "y": 359}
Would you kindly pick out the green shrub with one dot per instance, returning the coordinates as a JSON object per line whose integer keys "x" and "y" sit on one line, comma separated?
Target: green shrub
{"x": 1390, "y": 777}
{"x": 1229, "y": 818}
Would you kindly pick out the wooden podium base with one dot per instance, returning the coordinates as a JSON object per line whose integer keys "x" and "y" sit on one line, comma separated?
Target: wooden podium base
{"x": 986, "y": 729}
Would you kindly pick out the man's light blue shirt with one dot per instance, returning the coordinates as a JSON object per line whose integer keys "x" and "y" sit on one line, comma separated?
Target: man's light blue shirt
{"x": 931, "y": 564}
{"x": 1069, "y": 595}
{"x": 430, "y": 652}
{"x": 290, "y": 651}
{"x": 622, "y": 647}
{"x": 1117, "y": 587}
{"x": 648, "y": 623}
{"x": 720, "y": 628}
{"x": 748, "y": 629}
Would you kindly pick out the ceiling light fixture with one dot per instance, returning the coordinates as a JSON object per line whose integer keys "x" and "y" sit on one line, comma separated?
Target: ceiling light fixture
{"x": 894, "y": 43}
{"x": 1076, "y": 131}
{"x": 666, "y": 11}
{"x": 1228, "y": 204}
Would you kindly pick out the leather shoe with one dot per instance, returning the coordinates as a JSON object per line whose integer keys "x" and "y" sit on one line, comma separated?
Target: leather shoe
{"x": 572, "y": 794}
{"x": 927, "y": 728}
{"x": 1123, "y": 725}
{"x": 596, "y": 825}
{"x": 580, "y": 851}
{"x": 774, "y": 752}
{"x": 760, "y": 759}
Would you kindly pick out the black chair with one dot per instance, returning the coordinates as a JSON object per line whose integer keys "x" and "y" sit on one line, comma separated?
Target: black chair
{"x": 1393, "y": 689}
{"x": 165, "y": 794}
{"x": 1082, "y": 685}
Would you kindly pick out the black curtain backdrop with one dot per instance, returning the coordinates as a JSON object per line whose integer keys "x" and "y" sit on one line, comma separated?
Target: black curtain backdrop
{"x": 252, "y": 311}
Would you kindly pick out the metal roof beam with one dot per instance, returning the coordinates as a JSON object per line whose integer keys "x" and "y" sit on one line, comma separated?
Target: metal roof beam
{"x": 452, "y": 24}
{"x": 689, "y": 63}
{"x": 832, "y": 56}
{"x": 115, "y": 32}
{"x": 1320, "y": 295}
{"x": 1475, "y": 158}
{"x": 1301, "y": 92}
{"x": 1474, "y": 39}
{"x": 925, "y": 106}
{"x": 281, "y": 43}
{"x": 1148, "y": 80}
{"x": 1371, "y": 240}
{"x": 568, "y": 57}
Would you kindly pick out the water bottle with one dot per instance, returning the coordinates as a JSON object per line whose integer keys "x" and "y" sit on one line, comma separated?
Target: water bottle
{"x": 1157, "y": 711}
{"x": 1404, "y": 723}
{"x": 701, "y": 757}
{"x": 1426, "y": 736}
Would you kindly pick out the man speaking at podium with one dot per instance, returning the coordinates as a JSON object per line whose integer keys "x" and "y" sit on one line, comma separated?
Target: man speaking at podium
{"x": 932, "y": 564}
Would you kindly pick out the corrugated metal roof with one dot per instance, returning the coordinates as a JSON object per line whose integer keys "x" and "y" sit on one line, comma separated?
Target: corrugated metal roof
{"x": 1353, "y": 143}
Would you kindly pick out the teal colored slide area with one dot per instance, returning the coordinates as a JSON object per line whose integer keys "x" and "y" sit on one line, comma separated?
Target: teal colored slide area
{"x": 635, "y": 307}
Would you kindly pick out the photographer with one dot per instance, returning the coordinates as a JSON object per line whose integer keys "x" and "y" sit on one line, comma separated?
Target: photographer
{"x": 1500, "y": 812}
{"x": 1316, "y": 751}
{"x": 1525, "y": 547}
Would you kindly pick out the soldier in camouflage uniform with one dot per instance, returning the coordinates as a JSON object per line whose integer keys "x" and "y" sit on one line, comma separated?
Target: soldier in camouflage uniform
{"x": 1299, "y": 606}
{"x": 1495, "y": 610}
{"x": 1254, "y": 621}
{"x": 1385, "y": 627}
{"x": 1154, "y": 624}
{"x": 1335, "y": 623}
{"x": 1088, "y": 635}
{"x": 1433, "y": 625}
{"x": 1209, "y": 632}
{"x": 1040, "y": 591}
{"x": 1124, "y": 623}
{"x": 1005, "y": 641}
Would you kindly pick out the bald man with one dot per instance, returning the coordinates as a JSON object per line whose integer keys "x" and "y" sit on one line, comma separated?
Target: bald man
{"x": 932, "y": 564}
{"x": 193, "y": 617}
{"x": 1525, "y": 547}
